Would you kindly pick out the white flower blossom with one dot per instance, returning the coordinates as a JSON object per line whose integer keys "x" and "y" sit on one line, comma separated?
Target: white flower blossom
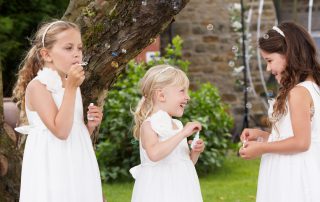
{"x": 237, "y": 6}
{"x": 236, "y": 25}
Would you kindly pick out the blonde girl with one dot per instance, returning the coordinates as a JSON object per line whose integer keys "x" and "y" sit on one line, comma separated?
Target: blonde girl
{"x": 167, "y": 171}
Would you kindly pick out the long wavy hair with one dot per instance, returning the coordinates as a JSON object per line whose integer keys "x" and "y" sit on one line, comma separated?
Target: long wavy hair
{"x": 301, "y": 59}
{"x": 33, "y": 61}
{"x": 156, "y": 77}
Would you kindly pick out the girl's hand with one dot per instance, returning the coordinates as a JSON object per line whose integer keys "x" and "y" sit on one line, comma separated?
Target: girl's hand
{"x": 250, "y": 134}
{"x": 198, "y": 147}
{"x": 75, "y": 76}
{"x": 190, "y": 128}
{"x": 95, "y": 114}
{"x": 251, "y": 150}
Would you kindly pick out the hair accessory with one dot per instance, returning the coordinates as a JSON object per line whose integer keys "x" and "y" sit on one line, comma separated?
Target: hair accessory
{"x": 47, "y": 29}
{"x": 277, "y": 29}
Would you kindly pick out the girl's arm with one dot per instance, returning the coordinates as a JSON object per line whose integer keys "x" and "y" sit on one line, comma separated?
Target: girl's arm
{"x": 299, "y": 105}
{"x": 39, "y": 99}
{"x": 59, "y": 122}
{"x": 250, "y": 134}
{"x": 157, "y": 150}
{"x": 300, "y": 102}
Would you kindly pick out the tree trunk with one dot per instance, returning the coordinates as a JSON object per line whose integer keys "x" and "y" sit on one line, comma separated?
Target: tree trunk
{"x": 10, "y": 157}
{"x": 113, "y": 32}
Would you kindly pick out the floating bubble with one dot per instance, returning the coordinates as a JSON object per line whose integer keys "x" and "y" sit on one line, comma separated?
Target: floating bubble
{"x": 248, "y": 105}
{"x": 266, "y": 36}
{"x": 231, "y": 63}
{"x": 114, "y": 64}
{"x": 269, "y": 93}
{"x": 114, "y": 54}
{"x": 144, "y": 3}
{"x": 152, "y": 40}
{"x": 210, "y": 27}
{"x": 107, "y": 45}
{"x": 175, "y": 6}
{"x": 235, "y": 49}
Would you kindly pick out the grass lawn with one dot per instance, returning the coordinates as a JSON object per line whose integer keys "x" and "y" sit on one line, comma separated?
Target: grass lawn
{"x": 236, "y": 181}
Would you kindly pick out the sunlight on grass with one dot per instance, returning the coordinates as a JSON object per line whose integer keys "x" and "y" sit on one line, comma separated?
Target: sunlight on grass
{"x": 236, "y": 181}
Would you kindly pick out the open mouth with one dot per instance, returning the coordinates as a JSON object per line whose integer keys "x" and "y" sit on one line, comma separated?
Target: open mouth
{"x": 183, "y": 105}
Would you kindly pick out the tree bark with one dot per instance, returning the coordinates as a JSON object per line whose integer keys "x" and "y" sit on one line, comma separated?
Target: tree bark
{"x": 10, "y": 157}
{"x": 113, "y": 32}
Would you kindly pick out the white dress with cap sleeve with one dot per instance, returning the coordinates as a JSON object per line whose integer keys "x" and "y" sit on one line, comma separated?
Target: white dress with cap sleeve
{"x": 292, "y": 177}
{"x": 172, "y": 179}
{"x": 55, "y": 170}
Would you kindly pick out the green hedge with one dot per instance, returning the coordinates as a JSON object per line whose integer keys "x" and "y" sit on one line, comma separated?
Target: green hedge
{"x": 117, "y": 150}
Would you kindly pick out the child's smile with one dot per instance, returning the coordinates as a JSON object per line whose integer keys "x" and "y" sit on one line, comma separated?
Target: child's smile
{"x": 176, "y": 99}
{"x": 276, "y": 63}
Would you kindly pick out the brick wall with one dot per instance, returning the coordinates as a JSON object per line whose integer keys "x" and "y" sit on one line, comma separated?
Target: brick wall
{"x": 209, "y": 51}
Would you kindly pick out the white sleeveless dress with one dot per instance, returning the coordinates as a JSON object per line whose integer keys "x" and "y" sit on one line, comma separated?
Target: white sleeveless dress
{"x": 172, "y": 179}
{"x": 292, "y": 177}
{"x": 55, "y": 170}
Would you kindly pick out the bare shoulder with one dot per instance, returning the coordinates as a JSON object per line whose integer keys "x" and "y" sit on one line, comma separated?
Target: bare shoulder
{"x": 299, "y": 93}
{"x": 299, "y": 96}
{"x": 36, "y": 93}
{"x": 35, "y": 86}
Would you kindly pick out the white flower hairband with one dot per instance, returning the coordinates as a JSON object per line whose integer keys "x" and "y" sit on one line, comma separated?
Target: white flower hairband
{"x": 277, "y": 29}
{"x": 47, "y": 29}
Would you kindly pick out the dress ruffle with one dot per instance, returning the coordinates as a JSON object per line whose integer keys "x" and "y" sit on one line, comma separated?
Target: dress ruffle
{"x": 161, "y": 123}
{"x": 50, "y": 78}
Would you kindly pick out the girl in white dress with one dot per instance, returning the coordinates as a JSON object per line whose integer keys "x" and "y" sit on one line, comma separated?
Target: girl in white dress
{"x": 59, "y": 163}
{"x": 166, "y": 172}
{"x": 290, "y": 163}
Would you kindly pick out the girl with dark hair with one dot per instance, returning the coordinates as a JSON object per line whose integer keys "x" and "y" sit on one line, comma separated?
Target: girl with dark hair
{"x": 290, "y": 163}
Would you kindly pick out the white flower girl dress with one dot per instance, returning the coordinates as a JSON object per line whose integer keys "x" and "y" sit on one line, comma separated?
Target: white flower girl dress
{"x": 55, "y": 170}
{"x": 172, "y": 179}
{"x": 292, "y": 177}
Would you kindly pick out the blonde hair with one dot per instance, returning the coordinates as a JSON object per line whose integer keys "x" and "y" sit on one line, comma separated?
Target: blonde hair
{"x": 155, "y": 78}
{"x": 45, "y": 37}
